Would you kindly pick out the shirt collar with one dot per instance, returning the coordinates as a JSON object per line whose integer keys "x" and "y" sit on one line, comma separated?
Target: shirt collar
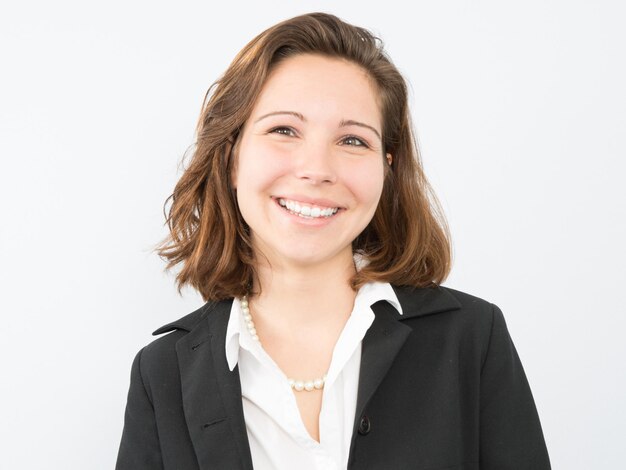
{"x": 367, "y": 295}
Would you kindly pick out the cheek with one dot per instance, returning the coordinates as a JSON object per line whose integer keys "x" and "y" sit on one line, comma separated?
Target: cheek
{"x": 366, "y": 182}
{"x": 247, "y": 163}
{"x": 257, "y": 170}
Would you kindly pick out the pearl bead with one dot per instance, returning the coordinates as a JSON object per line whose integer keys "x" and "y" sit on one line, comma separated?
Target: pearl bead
{"x": 297, "y": 385}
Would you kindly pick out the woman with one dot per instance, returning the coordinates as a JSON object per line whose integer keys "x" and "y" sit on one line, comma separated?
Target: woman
{"x": 326, "y": 342}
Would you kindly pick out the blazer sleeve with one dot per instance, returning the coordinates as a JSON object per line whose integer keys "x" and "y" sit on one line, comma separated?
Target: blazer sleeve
{"x": 510, "y": 432}
{"x": 139, "y": 448}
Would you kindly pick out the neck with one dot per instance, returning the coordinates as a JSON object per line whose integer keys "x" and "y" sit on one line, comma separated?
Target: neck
{"x": 311, "y": 295}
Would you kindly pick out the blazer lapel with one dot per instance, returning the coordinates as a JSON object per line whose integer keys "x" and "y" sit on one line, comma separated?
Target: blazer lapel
{"x": 381, "y": 344}
{"x": 212, "y": 394}
{"x": 385, "y": 338}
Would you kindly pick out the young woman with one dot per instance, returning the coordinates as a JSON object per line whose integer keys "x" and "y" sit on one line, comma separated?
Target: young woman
{"x": 327, "y": 342}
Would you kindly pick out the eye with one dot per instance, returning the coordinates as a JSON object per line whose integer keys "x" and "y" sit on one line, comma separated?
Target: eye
{"x": 354, "y": 141}
{"x": 282, "y": 130}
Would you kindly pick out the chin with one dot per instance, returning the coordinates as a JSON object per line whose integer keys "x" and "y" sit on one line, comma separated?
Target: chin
{"x": 304, "y": 256}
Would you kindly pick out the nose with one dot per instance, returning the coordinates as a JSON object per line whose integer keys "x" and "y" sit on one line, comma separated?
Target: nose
{"x": 315, "y": 164}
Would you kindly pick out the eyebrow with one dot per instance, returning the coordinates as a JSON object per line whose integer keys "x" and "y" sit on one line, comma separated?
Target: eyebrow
{"x": 350, "y": 122}
{"x": 274, "y": 113}
{"x": 343, "y": 123}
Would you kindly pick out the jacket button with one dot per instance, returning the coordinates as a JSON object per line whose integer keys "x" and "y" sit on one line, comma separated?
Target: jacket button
{"x": 364, "y": 426}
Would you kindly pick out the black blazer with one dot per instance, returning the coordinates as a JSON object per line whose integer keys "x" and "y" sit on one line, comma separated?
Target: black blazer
{"x": 441, "y": 388}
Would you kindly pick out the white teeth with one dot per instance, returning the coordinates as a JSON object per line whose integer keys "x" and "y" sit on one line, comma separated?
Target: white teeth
{"x": 307, "y": 211}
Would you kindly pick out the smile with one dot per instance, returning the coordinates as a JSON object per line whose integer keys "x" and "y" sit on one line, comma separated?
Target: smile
{"x": 306, "y": 210}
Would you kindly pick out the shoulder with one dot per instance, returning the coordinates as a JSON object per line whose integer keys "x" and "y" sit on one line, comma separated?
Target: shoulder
{"x": 161, "y": 352}
{"x": 471, "y": 304}
{"x": 447, "y": 310}
{"x": 452, "y": 321}
{"x": 438, "y": 299}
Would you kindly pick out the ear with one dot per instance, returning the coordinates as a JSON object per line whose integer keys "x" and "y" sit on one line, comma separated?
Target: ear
{"x": 389, "y": 159}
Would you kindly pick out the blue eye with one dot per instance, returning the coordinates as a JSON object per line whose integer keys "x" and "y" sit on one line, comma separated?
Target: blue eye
{"x": 288, "y": 131}
{"x": 354, "y": 141}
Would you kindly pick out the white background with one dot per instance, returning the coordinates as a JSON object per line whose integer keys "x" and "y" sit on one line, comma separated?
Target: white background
{"x": 520, "y": 111}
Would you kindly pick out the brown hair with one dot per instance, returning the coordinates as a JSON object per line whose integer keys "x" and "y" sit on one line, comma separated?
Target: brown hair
{"x": 407, "y": 241}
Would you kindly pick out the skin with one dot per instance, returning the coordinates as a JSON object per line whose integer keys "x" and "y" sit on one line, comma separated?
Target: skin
{"x": 312, "y": 137}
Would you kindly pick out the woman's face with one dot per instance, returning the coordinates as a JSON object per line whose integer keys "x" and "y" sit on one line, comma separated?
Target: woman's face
{"x": 310, "y": 167}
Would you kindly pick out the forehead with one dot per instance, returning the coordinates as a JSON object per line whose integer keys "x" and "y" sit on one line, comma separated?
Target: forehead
{"x": 319, "y": 86}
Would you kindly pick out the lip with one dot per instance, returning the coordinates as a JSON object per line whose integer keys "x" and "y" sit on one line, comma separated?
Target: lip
{"x": 308, "y": 221}
{"x": 312, "y": 201}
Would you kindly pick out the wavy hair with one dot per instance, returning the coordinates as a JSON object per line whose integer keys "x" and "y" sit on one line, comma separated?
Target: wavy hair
{"x": 406, "y": 243}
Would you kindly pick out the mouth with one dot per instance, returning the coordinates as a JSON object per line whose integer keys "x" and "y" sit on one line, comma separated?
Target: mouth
{"x": 307, "y": 211}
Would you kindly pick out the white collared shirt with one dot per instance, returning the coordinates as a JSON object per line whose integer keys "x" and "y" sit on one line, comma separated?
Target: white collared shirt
{"x": 277, "y": 436}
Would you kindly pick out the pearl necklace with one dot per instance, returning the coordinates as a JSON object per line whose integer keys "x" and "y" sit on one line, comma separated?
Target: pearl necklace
{"x": 297, "y": 385}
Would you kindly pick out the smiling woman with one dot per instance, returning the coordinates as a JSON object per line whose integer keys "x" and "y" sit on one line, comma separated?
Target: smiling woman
{"x": 323, "y": 161}
{"x": 305, "y": 221}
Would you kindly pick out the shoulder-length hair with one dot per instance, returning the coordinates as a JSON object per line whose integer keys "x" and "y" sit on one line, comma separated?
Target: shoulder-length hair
{"x": 406, "y": 243}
